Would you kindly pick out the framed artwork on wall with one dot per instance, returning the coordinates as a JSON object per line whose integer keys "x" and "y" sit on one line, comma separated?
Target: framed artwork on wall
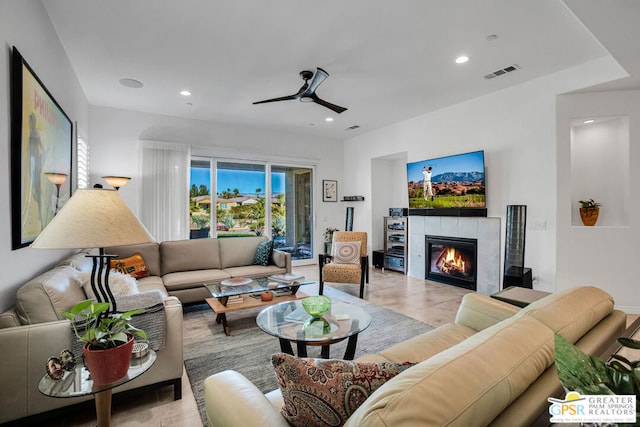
{"x": 41, "y": 150}
{"x": 329, "y": 190}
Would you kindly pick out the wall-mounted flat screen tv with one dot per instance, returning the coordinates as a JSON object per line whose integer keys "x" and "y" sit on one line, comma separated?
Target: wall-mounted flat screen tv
{"x": 447, "y": 182}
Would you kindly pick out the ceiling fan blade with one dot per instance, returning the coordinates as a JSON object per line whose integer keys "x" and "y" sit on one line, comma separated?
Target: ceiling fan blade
{"x": 282, "y": 98}
{"x": 286, "y": 98}
{"x": 320, "y": 76}
{"x": 338, "y": 109}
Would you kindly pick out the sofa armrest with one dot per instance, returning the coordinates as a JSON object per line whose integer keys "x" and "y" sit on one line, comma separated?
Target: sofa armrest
{"x": 232, "y": 400}
{"x": 479, "y": 311}
{"x": 281, "y": 259}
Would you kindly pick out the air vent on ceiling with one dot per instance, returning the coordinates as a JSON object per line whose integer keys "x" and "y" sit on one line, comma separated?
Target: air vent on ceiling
{"x": 354, "y": 127}
{"x": 502, "y": 71}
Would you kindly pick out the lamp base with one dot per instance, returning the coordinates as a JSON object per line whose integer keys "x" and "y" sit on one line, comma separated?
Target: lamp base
{"x": 100, "y": 278}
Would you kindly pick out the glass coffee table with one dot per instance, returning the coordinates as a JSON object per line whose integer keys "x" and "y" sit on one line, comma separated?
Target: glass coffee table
{"x": 234, "y": 294}
{"x": 78, "y": 382}
{"x": 289, "y": 322}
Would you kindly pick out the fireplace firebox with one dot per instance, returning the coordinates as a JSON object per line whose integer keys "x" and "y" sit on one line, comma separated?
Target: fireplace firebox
{"x": 452, "y": 260}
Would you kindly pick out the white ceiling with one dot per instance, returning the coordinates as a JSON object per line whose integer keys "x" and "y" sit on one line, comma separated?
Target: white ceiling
{"x": 388, "y": 60}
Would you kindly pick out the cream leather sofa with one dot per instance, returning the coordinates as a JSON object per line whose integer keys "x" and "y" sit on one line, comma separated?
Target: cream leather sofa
{"x": 182, "y": 266}
{"x": 34, "y": 330}
{"x": 493, "y": 366}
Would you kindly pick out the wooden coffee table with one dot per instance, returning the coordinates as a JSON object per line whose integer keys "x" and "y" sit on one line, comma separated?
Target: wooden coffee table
{"x": 226, "y": 299}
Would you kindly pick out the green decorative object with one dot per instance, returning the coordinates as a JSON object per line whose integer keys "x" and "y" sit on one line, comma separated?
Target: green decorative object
{"x": 316, "y": 306}
{"x": 589, "y": 375}
{"x": 316, "y": 327}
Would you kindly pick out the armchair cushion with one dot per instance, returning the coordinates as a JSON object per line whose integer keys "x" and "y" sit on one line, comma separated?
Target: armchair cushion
{"x": 323, "y": 392}
{"x": 341, "y": 273}
{"x": 346, "y": 252}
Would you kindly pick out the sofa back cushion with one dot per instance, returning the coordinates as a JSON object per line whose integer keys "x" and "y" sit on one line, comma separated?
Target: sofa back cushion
{"x": 238, "y": 251}
{"x": 188, "y": 255}
{"x": 468, "y": 384}
{"x": 150, "y": 253}
{"x": 571, "y": 312}
{"x": 45, "y": 296}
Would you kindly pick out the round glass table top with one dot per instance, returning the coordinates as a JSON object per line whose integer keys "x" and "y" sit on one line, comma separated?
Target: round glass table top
{"x": 288, "y": 320}
{"x": 78, "y": 381}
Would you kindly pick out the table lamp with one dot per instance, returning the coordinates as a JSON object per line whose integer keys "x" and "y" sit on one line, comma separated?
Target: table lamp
{"x": 94, "y": 218}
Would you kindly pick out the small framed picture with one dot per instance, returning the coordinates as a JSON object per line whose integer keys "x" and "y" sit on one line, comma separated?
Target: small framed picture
{"x": 329, "y": 190}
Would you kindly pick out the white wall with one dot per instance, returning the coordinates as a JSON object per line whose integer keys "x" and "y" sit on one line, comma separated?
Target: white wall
{"x": 604, "y": 255}
{"x": 516, "y": 128}
{"x": 25, "y": 24}
{"x": 116, "y": 134}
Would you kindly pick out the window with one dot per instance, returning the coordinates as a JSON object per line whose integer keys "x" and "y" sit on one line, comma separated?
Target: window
{"x": 253, "y": 199}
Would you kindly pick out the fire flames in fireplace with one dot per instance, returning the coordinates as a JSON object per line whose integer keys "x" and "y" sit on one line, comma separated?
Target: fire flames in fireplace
{"x": 452, "y": 262}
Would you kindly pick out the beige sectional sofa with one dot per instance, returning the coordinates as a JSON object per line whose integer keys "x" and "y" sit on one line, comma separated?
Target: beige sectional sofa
{"x": 493, "y": 366}
{"x": 182, "y": 266}
{"x": 34, "y": 329}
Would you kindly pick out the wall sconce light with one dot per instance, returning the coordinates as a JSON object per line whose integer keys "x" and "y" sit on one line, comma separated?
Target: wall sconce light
{"x": 56, "y": 179}
{"x": 116, "y": 181}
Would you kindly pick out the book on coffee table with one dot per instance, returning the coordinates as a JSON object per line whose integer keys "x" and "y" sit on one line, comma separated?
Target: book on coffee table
{"x": 286, "y": 277}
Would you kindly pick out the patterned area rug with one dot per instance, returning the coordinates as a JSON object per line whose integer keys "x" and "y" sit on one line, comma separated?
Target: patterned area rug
{"x": 248, "y": 350}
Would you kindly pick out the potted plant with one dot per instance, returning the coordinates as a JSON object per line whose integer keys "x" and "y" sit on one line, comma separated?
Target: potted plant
{"x": 589, "y": 210}
{"x": 107, "y": 337}
{"x": 589, "y": 375}
{"x": 328, "y": 238}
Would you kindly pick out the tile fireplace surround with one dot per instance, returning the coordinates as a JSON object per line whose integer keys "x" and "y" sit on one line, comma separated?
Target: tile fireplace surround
{"x": 486, "y": 230}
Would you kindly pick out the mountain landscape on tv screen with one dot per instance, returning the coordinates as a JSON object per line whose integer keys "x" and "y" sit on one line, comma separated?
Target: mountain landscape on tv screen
{"x": 451, "y": 190}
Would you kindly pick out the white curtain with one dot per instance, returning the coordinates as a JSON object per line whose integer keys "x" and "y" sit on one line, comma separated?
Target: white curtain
{"x": 165, "y": 190}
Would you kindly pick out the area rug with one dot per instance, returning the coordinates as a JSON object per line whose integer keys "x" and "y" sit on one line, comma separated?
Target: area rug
{"x": 248, "y": 350}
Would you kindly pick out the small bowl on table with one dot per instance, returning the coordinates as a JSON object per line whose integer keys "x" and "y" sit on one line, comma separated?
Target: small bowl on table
{"x": 316, "y": 306}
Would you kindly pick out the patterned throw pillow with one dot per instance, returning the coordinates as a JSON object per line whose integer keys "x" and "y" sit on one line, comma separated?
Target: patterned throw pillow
{"x": 346, "y": 252}
{"x": 133, "y": 266}
{"x": 263, "y": 253}
{"x": 325, "y": 392}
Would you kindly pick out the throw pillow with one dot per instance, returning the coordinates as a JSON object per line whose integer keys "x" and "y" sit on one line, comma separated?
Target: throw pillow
{"x": 133, "y": 266}
{"x": 263, "y": 253}
{"x": 325, "y": 392}
{"x": 119, "y": 283}
{"x": 346, "y": 252}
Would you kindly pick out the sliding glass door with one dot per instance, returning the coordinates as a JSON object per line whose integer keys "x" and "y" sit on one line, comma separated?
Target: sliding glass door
{"x": 253, "y": 199}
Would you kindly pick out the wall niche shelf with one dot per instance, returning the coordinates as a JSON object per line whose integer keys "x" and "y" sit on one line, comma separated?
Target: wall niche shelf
{"x": 352, "y": 199}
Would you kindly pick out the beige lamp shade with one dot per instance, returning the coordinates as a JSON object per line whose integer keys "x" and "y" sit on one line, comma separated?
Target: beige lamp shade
{"x": 93, "y": 218}
{"x": 116, "y": 181}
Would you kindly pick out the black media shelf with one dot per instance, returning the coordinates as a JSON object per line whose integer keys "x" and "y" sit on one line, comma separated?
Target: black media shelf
{"x": 458, "y": 212}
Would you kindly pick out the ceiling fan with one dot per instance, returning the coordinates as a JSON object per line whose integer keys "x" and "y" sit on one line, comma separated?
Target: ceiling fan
{"x": 307, "y": 92}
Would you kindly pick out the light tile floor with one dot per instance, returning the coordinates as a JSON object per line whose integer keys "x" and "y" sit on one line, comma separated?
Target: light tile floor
{"x": 430, "y": 302}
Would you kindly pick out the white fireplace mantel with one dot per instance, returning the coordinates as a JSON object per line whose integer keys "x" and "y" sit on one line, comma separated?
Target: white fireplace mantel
{"x": 485, "y": 229}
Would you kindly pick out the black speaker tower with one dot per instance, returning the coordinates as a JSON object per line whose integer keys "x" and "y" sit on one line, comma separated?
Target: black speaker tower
{"x": 515, "y": 273}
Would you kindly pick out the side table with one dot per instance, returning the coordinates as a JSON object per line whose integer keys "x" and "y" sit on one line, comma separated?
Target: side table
{"x": 286, "y": 321}
{"x": 518, "y": 296}
{"x": 78, "y": 383}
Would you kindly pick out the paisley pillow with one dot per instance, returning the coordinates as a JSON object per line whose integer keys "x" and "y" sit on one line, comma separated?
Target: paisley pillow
{"x": 325, "y": 392}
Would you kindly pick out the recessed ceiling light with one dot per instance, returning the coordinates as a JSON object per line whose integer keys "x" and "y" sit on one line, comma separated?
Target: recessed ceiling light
{"x": 185, "y": 93}
{"x": 462, "y": 59}
{"x": 132, "y": 83}
{"x": 586, "y": 122}
{"x": 328, "y": 119}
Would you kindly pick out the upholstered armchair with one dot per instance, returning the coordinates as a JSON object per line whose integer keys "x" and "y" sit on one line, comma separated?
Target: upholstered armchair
{"x": 348, "y": 262}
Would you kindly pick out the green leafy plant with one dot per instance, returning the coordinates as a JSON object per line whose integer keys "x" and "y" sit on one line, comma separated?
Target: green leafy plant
{"x": 93, "y": 324}
{"x": 328, "y": 234}
{"x": 589, "y": 204}
{"x": 589, "y": 375}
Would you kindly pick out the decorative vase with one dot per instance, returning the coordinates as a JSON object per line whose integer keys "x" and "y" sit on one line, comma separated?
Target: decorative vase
{"x": 589, "y": 216}
{"x": 108, "y": 365}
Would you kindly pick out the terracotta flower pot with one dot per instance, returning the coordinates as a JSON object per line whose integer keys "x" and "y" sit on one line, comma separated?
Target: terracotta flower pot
{"x": 108, "y": 366}
{"x": 589, "y": 216}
